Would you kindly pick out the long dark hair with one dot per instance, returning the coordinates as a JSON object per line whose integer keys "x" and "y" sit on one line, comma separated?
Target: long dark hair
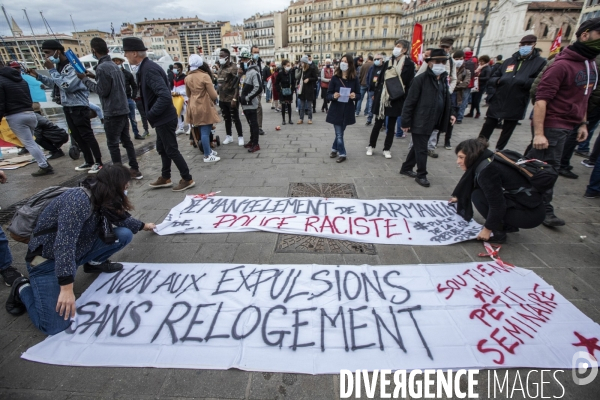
{"x": 206, "y": 68}
{"x": 107, "y": 189}
{"x": 351, "y": 68}
{"x": 472, "y": 149}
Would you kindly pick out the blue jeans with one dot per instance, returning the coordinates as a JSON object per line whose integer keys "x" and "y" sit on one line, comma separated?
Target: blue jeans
{"x": 464, "y": 104}
{"x": 97, "y": 109}
{"x": 205, "y": 139}
{"x": 370, "y": 106}
{"x": 267, "y": 92}
{"x": 5, "y": 255}
{"x": 338, "y": 143}
{"x": 399, "y": 132}
{"x": 584, "y": 147}
{"x": 41, "y": 296}
{"x": 594, "y": 186}
{"x": 305, "y": 104}
{"x": 363, "y": 90}
{"x": 132, "y": 108}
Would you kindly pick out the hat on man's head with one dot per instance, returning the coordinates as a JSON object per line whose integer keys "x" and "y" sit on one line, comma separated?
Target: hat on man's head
{"x": 53, "y": 45}
{"x": 447, "y": 41}
{"x": 437, "y": 54}
{"x": 529, "y": 39}
{"x": 588, "y": 26}
{"x": 14, "y": 64}
{"x": 245, "y": 53}
{"x": 458, "y": 54}
{"x": 133, "y": 44}
{"x": 304, "y": 59}
{"x": 117, "y": 58}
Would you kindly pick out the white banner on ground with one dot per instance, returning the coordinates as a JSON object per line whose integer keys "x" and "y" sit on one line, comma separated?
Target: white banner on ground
{"x": 320, "y": 319}
{"x": 412, "y": 222}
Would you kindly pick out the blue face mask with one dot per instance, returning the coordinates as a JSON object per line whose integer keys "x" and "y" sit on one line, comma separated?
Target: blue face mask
{"x": 245, "y": 66}
{"x": 255, "y": 57}
{"x": 175, "y": 71}
{"x": 54, "y": 59}
{"x": 125, "y": 192}
{"x": 525, "y": 50}
{"x": 378, "y": 62}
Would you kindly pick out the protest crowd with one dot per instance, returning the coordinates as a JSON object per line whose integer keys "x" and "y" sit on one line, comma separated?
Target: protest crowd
{"x": 511, "y": 188}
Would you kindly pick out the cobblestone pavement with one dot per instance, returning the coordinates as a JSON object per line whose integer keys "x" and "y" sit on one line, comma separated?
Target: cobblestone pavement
{"x": 568, "y": 258}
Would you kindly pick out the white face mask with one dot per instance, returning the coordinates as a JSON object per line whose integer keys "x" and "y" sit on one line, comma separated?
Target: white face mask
{"x": 438, "y": 69}
{"x": 344, "y": 66}
{"x": 397, "y": 51}
{"x": 125, "y": 192}
{"x": 222, "y": 61}
{"x": 288, "y": 68}
{"x": 459, "y": 63}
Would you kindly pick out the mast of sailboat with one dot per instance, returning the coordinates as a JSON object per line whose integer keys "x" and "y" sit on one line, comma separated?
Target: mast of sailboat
{"x": 13, "y": 34}
{"x": 75, "y": 29}
{"x": 8, "y": 49}
{"x": 37, "y": 46}
{"x": 47, "y": 25}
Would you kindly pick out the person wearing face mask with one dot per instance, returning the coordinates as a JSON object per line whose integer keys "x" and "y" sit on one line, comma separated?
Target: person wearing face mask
{"x": 326, "y": 74}
{"x": 179, "y": 90}
{"x": 372, "y": 77}
{"x": 228, "y": 81}
{"x": 364, "y": 87}
{"x": 73, "y": 95}
{"x": 258, "y": 62}
{"x": 170, "y": 76}
{"x": 249, "y": 96}
{"x": 567, "y": 84}
{"x": 461, "y": 93}
{"x": 390, "y": 92}
{"x": 427, "y": 107}
{"x": 284, "y": 85}
{"x": 306, "y": 89}
{"x": 160, "y": 111}
{"x": 512, "y": 82}
{"x": 131, "y": 92}
{"x": 341, "y": 111}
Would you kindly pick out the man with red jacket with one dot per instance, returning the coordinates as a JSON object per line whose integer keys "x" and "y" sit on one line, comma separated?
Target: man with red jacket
{"x": 561, "y": 102}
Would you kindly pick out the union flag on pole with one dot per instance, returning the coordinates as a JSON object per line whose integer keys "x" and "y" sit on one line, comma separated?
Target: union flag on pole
{"x": 416, "y": 51}
{"x": 555, "y": 48}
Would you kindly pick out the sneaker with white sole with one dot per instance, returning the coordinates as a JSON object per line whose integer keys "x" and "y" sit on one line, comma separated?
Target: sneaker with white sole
{"x": 387, "y": 154}
{"x": 83, "y": 167}
{"x": 369, "y": 151}
{"x": 228, "y": 139}
{"x": 211, "y": 158}
{"x": 95, "y": 168}
{"x": 179, "y": 131}
{"x": 588, "y": 163}
{"x": 240, "y": 140}
{"x": 213, "y": 153}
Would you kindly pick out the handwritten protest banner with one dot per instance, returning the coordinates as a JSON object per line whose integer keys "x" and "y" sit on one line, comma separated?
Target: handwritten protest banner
{"x": 418, "y": 222}
{"x": 320, "y": 319}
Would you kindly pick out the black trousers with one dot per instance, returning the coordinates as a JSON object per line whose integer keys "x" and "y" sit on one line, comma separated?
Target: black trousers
{"x": 166, "y": 146}
{"x": 140, "y": 107}
{"x": 117, "y": 130}
{"x": 389, "y": 133}
{"x": 447, "y": 136}
{"x": 78, "y": 121}
{"x": 47, "y": 144}
{"x": 252, "y": 117}
{"x": 475, "y": 100}
{"x": 231, "y": 114}
{"x": 526, "y": 219}
{"x": 288, "y": 107}
{"x": 417, "y": 155}
{"x": 507, "y": 130}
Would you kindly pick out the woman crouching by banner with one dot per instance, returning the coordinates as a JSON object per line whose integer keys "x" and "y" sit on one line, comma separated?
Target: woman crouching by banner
{"x": 201, "y": 112}
{"x": 76, "y": 228}
{"x": 501, "y": 194}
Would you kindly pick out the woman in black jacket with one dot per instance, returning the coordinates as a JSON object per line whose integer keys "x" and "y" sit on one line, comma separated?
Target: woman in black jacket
{"x": 284, "y": 84}
{"x": 306, "y": 93}
{"x": 399, "y": 66}
{"x": 499, "y": 192}
{"x": 341, "y": 110}
{"x": 483, "y": 73}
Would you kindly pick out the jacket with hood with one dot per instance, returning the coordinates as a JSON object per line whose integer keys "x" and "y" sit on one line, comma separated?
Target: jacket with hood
{"x": 251, "y": 88}
{"x": 14, "y": 92}
{"x": 110, "y": 87}
{"x": 73, "y": 92}
{"x": 566, "y": 87}
{"x": 513, "y": 81}
{"x": 228, "y": 80}
{"x": 155, "y": 93}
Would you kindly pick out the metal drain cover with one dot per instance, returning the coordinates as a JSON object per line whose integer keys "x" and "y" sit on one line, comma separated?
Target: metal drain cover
{"x": 311, "y": 244}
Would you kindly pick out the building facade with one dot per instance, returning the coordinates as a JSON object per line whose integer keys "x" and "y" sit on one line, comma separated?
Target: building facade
{"x": 27, "y": 49}
{"x": 510, "y": 20}
{"x": 591, "y": 9}
{"x": 268, "y": 32}
{"x": 86, "y": 36}
{"x": 201, "y": 36}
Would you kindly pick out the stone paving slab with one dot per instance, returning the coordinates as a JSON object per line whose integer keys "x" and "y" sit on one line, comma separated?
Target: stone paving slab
{"x": 294, "y": 154}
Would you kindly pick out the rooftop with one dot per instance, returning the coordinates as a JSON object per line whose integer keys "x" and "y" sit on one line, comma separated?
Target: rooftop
{"x": 555, "y": 5}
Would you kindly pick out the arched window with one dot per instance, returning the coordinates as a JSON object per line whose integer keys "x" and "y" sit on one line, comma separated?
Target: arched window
{"x": 528, "y": 27}
{"x": 545, "y": 34}
{"x": 568, "y": 32}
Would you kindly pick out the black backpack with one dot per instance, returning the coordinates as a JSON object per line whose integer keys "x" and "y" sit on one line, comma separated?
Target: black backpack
{"x": 540, "y": 174}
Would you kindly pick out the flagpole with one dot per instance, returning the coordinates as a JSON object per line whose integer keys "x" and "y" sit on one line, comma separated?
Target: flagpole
{"x": 38, "y": 50}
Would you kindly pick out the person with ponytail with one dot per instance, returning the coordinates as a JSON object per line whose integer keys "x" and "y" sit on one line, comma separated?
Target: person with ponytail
{"x": 82, "y": 226}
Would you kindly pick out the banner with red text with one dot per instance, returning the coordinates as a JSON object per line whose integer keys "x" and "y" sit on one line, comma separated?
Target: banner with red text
{"x": 319, "y": 319}
{"x": 413, "y": 222}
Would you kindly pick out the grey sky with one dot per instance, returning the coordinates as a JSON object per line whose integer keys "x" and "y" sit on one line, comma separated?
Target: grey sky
{"x": 99, "y": 14}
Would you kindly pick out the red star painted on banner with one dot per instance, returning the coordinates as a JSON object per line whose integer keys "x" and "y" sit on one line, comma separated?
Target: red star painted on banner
{"x": 590, "y": 344}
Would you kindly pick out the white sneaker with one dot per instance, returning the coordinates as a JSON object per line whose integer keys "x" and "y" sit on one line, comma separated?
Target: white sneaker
{"x": 211, "y": 158}
{"x": 387, "y": 154}
{"x": 228, "y": 139}
{"x": 179, "y": 131}
{"x": 95, "y": 169}
{"x": 213, "y": 153}
{"x": 369, "y": 151}
{"x": 240, "y": 141}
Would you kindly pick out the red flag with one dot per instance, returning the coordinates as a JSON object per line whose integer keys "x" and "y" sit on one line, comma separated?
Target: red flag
{"x": 555, "y": 48}
{"x": 416, "y": 52}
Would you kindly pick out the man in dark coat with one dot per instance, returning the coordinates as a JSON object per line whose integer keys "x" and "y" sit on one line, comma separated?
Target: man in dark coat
{"x": 512, "y": 81}
{"x": 427, "y": 107}
{"x": 131, "y": 92}
{"x": 170, "y": 76}
{"x": 160, "y": 111}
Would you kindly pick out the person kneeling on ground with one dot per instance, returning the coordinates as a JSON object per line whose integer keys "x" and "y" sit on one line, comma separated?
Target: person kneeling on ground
{"x": 50, "y": 137}
{"x": 500, "y": 193}
{"x": 74, "y": 229}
